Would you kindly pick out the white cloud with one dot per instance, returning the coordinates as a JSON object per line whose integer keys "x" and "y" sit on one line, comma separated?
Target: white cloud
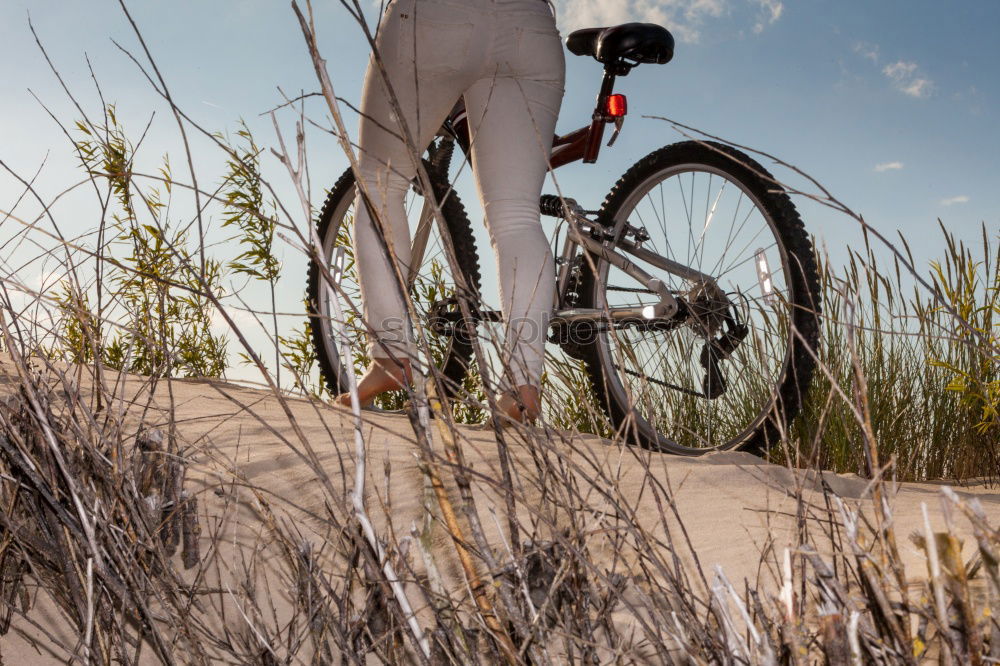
{"x": 905, "y": 76}
{"x": 888, "y": 166}
{"x": 918, "y": 88}
{"x": 955, "y": 200}
{"x": 694, "y": 9}
{"x": 869, "y": 51}
{"x": 684, "y": 18}
{"x": 772, "y": 10}
{"x": 900, "y": 70}
{"x": 46, "y": 280}
{"x": 576, "y": 14}
{"x": 907, "y": 79}
{"x": 245, "y": 321}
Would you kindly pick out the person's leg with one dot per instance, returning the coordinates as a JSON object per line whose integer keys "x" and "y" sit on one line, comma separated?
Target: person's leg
{"x": 513, "y": 117}
{"x": 424, "y": 59}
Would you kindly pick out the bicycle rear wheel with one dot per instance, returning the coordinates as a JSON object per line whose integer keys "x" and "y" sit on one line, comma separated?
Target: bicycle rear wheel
{"x": 713, "y": 209}
{"x": 432, "y": 286}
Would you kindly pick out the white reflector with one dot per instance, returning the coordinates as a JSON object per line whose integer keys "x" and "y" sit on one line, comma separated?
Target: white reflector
{"x": 764, "y": 277}
{"x": 337, "y": 267}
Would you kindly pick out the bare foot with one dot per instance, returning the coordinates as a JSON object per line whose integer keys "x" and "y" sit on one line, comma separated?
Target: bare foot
{"x": 382, "y": 375}
{"x": 523, "y": 407}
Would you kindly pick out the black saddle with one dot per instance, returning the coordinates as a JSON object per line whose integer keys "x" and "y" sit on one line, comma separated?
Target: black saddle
{"x": 639, "y": 42}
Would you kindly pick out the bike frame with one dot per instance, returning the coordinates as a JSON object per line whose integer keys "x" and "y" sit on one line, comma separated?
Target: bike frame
{"x": 583, "y": 144}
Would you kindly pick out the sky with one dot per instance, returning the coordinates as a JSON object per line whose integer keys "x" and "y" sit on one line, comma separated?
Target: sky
{"x": 891, "y": 104}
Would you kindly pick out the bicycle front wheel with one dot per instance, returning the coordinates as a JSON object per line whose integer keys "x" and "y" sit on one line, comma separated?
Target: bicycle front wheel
{"x": 713, "y": 209}
{"x": 432, "y": 284}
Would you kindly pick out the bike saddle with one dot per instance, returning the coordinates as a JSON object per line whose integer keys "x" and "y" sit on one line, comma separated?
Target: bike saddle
{"x": 640, "y": 42}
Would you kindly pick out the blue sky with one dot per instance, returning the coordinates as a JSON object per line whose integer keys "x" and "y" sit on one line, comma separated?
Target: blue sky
{"x": 891, "y": 104}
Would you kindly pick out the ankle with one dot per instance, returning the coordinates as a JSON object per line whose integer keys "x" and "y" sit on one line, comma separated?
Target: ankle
{"x": 522, "y": 403}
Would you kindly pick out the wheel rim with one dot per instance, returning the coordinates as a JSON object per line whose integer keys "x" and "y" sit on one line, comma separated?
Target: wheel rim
{"x": 430, "y": 282}
{"x": 704, "y": 218}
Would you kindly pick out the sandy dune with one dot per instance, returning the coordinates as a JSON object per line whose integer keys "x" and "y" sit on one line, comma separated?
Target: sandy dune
{"x": 734, "y": 507}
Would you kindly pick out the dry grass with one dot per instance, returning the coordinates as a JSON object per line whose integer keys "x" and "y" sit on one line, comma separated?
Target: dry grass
{"x": 102, "y": 521}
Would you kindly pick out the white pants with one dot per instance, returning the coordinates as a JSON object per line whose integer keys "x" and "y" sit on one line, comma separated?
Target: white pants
{"x": 505, "y": 57}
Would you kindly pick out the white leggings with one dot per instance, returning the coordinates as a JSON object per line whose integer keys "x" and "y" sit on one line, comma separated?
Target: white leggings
{"x": 505, "y": 57}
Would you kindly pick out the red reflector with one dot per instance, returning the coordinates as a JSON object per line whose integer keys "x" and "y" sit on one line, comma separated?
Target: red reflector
{"x": 616, "y": 106}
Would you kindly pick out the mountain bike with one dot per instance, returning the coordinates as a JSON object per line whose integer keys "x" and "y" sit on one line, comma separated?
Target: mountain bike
{"x": 691, "y": 295}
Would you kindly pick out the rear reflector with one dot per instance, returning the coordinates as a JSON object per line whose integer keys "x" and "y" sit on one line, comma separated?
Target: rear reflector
{"x": 616, "y": 106}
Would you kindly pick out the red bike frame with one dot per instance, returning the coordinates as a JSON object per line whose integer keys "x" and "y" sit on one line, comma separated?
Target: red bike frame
{"x": 581, "y": 144}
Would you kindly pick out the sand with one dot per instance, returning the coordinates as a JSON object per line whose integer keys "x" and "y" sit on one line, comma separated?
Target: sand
{"x": 736, "y": 509}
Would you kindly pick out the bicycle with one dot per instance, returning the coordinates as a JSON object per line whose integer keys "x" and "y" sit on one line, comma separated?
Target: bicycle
{"x": 694, "y": 339}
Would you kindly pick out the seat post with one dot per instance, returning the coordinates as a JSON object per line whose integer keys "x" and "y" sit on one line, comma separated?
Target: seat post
{"x": 611, "y": 71}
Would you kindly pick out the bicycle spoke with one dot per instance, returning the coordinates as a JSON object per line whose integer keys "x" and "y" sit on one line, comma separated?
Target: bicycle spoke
{"x": 747, "y": 260}
{"x": 729, "y": 240}
{"x": 751, "y": 241}
{"x": 431, "y": 283}
{"x": 710, "y": 214}
{"x": 631, "y": 290}
{"x": 724, "y": 230}
{"x": 659, "y": 382}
